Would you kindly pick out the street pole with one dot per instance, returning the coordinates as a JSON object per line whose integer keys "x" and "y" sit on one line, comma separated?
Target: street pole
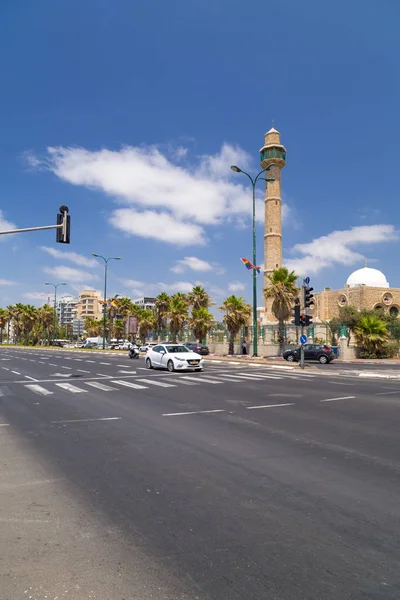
{"x": 253, "y": 183}
{"x": 55, "y": 285}
{"x": 302, "y": 350}
{"x": 105, "y": 293}
{"x": 255, "y": 336}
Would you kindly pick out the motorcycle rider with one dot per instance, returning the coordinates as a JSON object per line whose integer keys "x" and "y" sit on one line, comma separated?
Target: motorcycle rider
{"x": 134, "y": 350}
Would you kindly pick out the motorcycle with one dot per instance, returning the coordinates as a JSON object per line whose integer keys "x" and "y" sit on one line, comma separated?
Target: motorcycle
{"x": 134, "y": 352}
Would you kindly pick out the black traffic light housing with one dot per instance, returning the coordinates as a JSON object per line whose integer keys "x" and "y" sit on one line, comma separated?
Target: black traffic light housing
{"x": 308, "y": 296}
{"x": 308, "y": 320}
{"x": 296, "y": 312}
{"x": 63, "y": 233}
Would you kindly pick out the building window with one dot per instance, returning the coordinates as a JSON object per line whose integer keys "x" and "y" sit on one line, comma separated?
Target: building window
{"x": 394, "y": 311}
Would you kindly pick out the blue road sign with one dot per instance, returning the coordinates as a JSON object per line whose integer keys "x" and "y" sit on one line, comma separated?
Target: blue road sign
{"x": 306, "y": 280}
{"x": 303, "y": 339}
{"x": 150, "y": 335}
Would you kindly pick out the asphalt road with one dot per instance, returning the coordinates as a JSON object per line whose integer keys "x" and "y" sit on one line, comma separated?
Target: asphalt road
{"x": 119, "y": 483}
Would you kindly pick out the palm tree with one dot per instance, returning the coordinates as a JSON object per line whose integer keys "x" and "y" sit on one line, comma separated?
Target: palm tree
{"x": 371, "y": 334}
{"x": 178, "y": 314}
{"x": 146, "y": 323}
{"x": 46, "y": 317}
{"x": 118, "y": 329}
{"x": 3, "y": 322}
{"x": 282, "y": 291}
{"x": 198, "y": 298}
{"x": 162, "y": 305}
{"x": 237, "y": 313}
{"x": 27, "y": 320}
{"x": 201, "y": 322}
{"x": 93, "y": 327}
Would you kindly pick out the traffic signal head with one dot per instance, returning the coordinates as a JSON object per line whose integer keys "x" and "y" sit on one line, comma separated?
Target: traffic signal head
{"x": 308, "y": 296}
{"x": 296, "y": 314}
{"x": 308, "y": 320}
{"x": 303, "y": 320}
{"x": 63, "y": 233}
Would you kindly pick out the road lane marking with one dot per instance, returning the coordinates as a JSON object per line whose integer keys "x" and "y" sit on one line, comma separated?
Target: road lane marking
{"x": 4, "y": 425}
{"x": 82, "y": 371}
{"x": 160, "y": 383}
{"x": 16, "y": 372}
{"x": 127, "y": 372}
{"x": 340, "y": 383}
{"x": 5, "y": 368}
{"x": 270, "y": 406}
{"x": 202, "y": 379}
{"x": 88, "y": 420}
{"x": 259, "y": 375}
{"x": 31, "y": 378}
{"x": 234, "y": 363}
{"x": 179, "y": 380}
{"x": 100, "y": 386}
{"x": 90, "y": 361}
{"x": 70, "y": 368}
{"x": 38, "y": 389}
{"x": 194, "y": 412}
{"x": 79, "y": 359}
{"x": 52, "y": 365}
{"x": 388, "y": 393}
{"x": 103, "y": 363}
{"x": 71, "y": 388}
{"x": 123, "y": 366}
{"x": 129, "y": 384}
{"x": 341, "y": 398}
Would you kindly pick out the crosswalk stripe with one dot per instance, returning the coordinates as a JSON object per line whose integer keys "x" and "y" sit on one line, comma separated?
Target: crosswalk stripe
{"x": 129, "y": 384}
{"x": 71, "y": 388}
{"x": 100, "y": 386}
{"x": 255, "y": 377}
{"x": 152, "y": 382}
{"x": 179, "y": 380}
{"x": 233, "y": 378}
{"x": 201, "y": 379}
{"x": 38, "y": 389}
{"x": 260, "y": 376}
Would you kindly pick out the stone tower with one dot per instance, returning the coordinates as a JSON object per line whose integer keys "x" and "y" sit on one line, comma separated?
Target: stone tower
{"x": 272, "y": 153}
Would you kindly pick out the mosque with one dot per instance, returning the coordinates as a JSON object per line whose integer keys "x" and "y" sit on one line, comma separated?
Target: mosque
{"x": 366, "y": 288}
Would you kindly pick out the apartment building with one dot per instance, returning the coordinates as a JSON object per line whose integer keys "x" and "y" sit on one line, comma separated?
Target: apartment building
{"x": 89, "y": 306}
{"x": 145, "y": 303}
{"x": 66, "y": 310}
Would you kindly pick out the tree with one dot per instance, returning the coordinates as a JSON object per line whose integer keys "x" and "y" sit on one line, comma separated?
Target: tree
{"x": 93, "y": 327}
{"x": 162, "y": 306}
{"x": 27, "y": 320}
{"x": 334, "y": 327}
{"x": 237, "y": 314}
{"x": 198, "y": 298}
{"x": 371, "y": 334}
{"x": 201, "y": 322}
{"x": 178, "y": 314}
{"x": 146, "y": 323}
{"x": 3, "y": 321}
{"x": 349, "y": 316}
{"x": 282, "y": 291}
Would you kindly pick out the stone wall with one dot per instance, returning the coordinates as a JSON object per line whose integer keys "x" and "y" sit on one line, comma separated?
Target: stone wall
{"x": 329, "y": 302}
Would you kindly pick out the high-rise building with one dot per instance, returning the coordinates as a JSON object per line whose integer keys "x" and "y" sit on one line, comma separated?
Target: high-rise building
{"x": 272, "y": 153}
{"x": 89, "y": 305}
{"x": 66, "y": 309}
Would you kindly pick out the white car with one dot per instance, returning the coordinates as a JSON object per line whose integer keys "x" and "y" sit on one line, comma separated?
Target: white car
{"x": 174, "y": 357}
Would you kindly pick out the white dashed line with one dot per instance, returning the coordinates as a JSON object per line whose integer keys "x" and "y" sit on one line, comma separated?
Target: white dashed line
{"x": 88, "y": 420}
{"x": 269, "y": 406}
{"x": 341, "y": 398}
{"x": 31, "y": 378}
{"x": 82, "y": 371}
{"x": 195, "y": 412}
{"x": 16, "y": 372}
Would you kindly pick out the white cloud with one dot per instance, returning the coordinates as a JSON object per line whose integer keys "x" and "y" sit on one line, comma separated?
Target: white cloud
{"x": 178, "y": 286}
{"x": 5, "y": 225}
{"x": 189, "y": 196}
{"x": 73, "y": 257}
{"x": 36, "y": 296}
{"x": 69, "y": 274}
{"x": 336, "y": 248}
{"x": 236, "y": 286}
{"x": 159, "y": 225}
{"x": 191, "y": 262}
{"x": 7, "y": 282}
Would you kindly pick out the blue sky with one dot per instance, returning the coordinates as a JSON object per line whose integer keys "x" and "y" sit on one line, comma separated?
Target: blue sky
{"x": 132, "y": 112}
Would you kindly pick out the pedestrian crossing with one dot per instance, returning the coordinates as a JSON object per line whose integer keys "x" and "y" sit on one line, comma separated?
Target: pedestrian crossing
{"x": 210, "y": 378}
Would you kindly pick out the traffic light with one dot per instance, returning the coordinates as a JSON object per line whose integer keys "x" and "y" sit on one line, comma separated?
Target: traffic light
{"x": 63, "y": 233}
{"x": 296, "y": 312}
{"x": 303, "y": 320}
{"x": 308, "y": 320}
{"x": 308, "y": 296}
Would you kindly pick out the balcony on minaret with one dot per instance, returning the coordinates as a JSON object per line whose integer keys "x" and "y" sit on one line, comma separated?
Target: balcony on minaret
{"x": 272, "y": 152}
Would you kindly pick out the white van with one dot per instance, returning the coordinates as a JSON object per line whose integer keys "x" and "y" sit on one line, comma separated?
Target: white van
{"x": 93, "y": 342}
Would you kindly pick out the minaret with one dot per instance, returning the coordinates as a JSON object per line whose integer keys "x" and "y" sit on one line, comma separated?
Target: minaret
{"x": 272, "y": 153}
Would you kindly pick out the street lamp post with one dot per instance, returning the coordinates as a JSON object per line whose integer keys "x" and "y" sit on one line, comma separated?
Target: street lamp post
{"x": 105, "y": 293}
{"x": 55, "y": 285}
{"x": 253, "y": 184}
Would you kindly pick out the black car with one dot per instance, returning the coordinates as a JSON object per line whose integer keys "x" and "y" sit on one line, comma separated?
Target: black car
{"x": 196, "y": 347}
{"x": 319, "y": 352}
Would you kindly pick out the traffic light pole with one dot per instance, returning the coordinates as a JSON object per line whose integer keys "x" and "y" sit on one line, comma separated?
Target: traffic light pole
{"x": 302, "y": 350}
{"x": 62, "y": 227}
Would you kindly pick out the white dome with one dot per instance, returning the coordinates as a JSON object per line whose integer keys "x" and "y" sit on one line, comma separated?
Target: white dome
{"x": 369, "y": 277}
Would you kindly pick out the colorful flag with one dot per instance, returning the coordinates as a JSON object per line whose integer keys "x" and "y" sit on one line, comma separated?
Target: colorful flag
{"x": 250, "y": 265}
